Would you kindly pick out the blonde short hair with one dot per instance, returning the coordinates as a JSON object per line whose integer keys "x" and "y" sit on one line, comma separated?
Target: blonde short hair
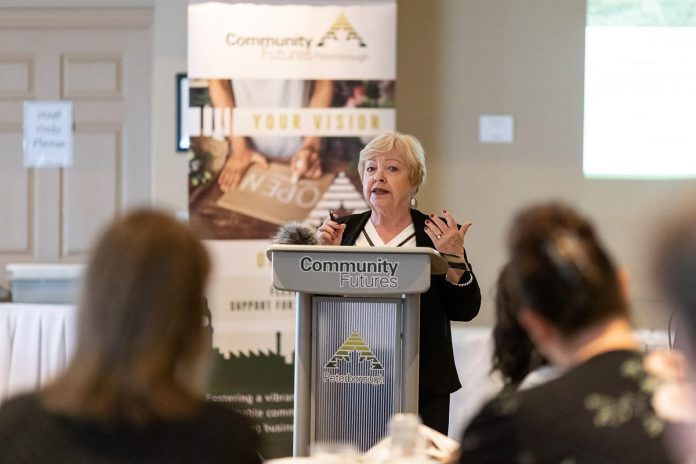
{"x": 406, "y": 144}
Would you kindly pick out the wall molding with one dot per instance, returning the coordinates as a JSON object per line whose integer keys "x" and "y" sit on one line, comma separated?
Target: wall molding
{"x": 76, "y": 18}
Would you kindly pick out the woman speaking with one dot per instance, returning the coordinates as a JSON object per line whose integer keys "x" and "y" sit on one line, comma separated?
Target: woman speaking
{"x": 392, "y": 169}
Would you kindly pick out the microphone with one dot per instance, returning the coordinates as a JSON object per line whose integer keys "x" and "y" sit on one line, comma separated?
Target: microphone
{"x": 294, "y": 233}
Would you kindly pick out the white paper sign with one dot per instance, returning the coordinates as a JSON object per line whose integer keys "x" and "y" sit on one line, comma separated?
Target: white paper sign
{"x": 496, "y": 128}
{"x": 48, "y": 135}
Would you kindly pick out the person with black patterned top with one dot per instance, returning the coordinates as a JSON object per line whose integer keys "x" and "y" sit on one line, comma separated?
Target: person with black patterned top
{"x": 602, "y": 408}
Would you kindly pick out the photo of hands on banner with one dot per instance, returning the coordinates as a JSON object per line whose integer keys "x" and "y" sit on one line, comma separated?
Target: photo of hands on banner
{"x": 266, "y": 151}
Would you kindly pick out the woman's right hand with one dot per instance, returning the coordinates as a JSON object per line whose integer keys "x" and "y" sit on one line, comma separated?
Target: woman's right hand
{"x": 330, "y": 232}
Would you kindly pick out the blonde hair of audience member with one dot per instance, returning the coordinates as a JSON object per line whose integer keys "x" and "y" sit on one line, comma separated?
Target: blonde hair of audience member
{"x": 390, "y": 142}
{"x": 572, "y": 295}
{"x": 141, "y": 340}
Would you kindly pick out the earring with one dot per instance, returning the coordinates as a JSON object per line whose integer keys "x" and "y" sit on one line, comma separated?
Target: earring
{"x": 414, "y": 203}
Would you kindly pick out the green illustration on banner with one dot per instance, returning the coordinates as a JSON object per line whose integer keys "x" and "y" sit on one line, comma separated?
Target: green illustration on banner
{"x": 259, "y": 385}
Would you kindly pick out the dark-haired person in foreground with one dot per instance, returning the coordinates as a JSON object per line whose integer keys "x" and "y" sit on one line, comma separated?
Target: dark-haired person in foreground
{"x": 133, "y": 393}
{"x": 573, "y": 307}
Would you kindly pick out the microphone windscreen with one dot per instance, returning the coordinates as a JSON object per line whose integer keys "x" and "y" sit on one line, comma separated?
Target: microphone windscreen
{"x": 294, "y": 233}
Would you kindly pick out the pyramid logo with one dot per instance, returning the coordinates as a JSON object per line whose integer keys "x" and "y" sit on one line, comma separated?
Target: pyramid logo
{"x": 353, "y": 343}
{"x": 341, "y": 24}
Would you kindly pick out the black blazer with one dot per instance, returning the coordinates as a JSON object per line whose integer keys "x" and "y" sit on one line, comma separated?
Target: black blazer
{"x": 442, "y": 303}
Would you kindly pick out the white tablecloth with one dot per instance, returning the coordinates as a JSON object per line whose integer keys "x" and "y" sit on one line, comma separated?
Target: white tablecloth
{"x": 473, "y": 348}
{"x": 36, "y": 342}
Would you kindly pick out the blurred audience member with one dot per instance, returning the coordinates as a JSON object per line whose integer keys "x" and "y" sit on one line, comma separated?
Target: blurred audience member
{"x": 675, "y": 269}
{"x": 572, "y": 305}
{"x": 134, "y": 390}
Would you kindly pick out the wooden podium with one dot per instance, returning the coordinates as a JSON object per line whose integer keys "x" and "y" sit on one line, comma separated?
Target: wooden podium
{"x": 356, "y": 338}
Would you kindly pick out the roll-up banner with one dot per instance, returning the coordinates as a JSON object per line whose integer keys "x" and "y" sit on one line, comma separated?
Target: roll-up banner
{"x": 282, "y": 97}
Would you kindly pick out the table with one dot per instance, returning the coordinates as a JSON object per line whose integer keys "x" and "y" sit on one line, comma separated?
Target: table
{"x": 36, "y": 343}
{"x": 473, "y": 348}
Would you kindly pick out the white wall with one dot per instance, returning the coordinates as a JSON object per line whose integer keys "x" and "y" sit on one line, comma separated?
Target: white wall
{"x": 169, "y": 168}
{"x": 458, "y": 59}
{"x": 524, "y": 58}
{"x": 74, "y": 3}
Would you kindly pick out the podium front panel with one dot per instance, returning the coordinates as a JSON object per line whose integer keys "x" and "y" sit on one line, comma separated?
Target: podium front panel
{"x": 356, "y": 368}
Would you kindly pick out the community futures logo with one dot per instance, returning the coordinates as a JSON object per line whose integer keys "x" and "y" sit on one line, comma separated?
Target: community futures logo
{"x": 341, "y": 25}
{"x": 355, "y": 343}
{"x": 303, "y": 47}
{"x": 379, "y": 274}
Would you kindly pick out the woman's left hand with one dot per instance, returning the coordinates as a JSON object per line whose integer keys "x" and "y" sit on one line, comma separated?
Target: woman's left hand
{"x": 445, "y": 235}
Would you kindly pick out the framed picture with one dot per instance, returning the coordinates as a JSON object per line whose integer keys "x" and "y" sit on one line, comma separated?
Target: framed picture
{"x": 182, "y": 103}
